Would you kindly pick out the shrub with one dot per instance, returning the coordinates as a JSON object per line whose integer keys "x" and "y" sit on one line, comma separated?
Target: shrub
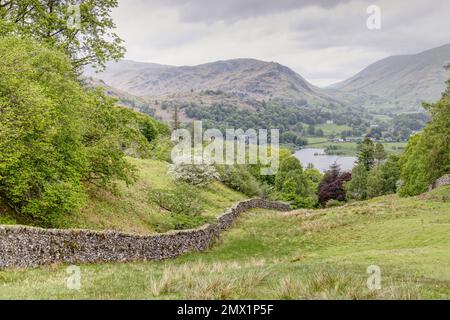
{"x": 183, "y": 200}
{"x": 304, "y": 202}
{"x": 194, "y": 174}
{"x": 239, "y": 178}
{"x": 161, "y": 148}
{"x": 333, "y": 203}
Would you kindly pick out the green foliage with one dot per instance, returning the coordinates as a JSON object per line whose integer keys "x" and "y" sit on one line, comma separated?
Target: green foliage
{"x": 42, "y": 160}
{"x": 91, "y": 42}
{"x": 356, "y": 188}
{"x": 161, "y": 148}
{"x": 289, "y": 178}
{"x": 304, "y": 202}
{"x": 415, "y": 166}
{"x": 55, "y": 135}
{"x": 402, "y": 125}
{"x": 239, "y": 177}
{"x": 183, "y": 222}
{"x": 375, "y": 183}
{"x": 313, "y": 178}
{"x": 380, "y": 180}
{"x": 7, "y": 220}
{"x": 366, "y": 153}
{"x": 379, "y": 152}
{"x": 182, "y": 200}
{"x": 287, "y": 116}
{"x": 427, "y": 155}
{"x": 293, "y": 185}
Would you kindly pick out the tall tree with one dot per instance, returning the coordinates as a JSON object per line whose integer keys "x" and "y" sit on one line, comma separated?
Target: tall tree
{"x": 366, "y": 153}
{"x": 357, "y": 187}
{"x": 83, "y": 29}
{"x": 380, "y": 153}
{"x": 56, "y": 136}
{"x": 383, "y": 179}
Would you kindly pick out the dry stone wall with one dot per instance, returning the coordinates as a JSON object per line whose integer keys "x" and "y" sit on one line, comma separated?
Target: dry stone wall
{"x": 442, "y": 181}
{"x": 24, "y": 247}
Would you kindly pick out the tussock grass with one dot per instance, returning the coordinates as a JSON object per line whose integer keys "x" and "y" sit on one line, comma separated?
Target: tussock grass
{"x": 341, "y": 286}
{"x": 304, "y": 254}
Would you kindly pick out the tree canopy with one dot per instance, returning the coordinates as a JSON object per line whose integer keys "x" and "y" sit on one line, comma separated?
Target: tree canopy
{"x": 57, "y": 136}
{"x": 427, "y": 155}
{"x": 83, "y": 29}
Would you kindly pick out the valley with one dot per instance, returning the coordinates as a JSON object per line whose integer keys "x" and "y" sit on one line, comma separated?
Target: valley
{"x": 224, "y": 171}
{"x": 248, "y": 93}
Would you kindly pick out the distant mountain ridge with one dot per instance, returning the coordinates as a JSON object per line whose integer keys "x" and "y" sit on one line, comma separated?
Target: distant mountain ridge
{"x": 242, "y": 77}
{"x": 400, "y": 83}
{"x": 392, "y": 85}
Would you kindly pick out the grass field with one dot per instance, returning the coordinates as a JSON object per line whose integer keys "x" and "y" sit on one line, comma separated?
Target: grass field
{"x": 350, "y": 148}
{"x": 315, "y": 254}
{"x": 332, "y": 128}
{"x": 130, "y": 210}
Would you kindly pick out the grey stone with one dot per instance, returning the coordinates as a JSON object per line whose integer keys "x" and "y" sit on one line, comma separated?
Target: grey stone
{"x": 25, "y": 247}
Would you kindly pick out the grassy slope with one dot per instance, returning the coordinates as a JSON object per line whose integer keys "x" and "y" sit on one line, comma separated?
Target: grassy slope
{"x": 131, "y": 210}
{"x": 301, "y": 254}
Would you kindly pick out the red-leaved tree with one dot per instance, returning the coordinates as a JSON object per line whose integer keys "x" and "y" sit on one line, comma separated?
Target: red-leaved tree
{"x": 332, "y": 184}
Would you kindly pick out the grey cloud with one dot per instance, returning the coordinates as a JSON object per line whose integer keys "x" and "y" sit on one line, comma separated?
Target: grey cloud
{"x": 404, "y": 29}
{"x": 320, "y": 39}
{"x": 234, "y": 10}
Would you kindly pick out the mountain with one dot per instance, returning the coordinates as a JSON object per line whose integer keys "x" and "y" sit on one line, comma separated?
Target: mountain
{"x": 393, "y": 85}
{"x": 124, "y": 98}
{"x": 398, "y": 83}
{"x": 246, "y": 78}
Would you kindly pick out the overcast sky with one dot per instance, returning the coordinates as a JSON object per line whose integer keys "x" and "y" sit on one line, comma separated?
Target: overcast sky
{"x": 323, "y": 40}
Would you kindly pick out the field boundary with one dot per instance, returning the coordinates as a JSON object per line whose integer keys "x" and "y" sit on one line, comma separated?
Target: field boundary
{"x": 25, "y": 247}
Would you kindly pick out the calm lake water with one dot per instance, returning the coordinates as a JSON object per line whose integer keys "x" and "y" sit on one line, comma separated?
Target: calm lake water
{"x": 321, "y": 161}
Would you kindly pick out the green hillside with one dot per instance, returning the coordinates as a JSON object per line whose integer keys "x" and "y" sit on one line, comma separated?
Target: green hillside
{"x": 302, "y": 254}
{"x": 131, "y": 210}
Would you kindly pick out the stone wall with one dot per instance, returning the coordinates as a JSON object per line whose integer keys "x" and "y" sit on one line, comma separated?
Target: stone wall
{"x": 23, "y": 247}
{"x": 442, "y": 181}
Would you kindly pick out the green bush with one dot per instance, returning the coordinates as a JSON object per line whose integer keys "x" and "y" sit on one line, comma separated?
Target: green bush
{"x": 161, "y": 148}
{"x": 304, "y": 202}
{"x": 182, "y": 200}
{"x": 334, "y": 203}
{"x": 183, "y": 222}
{"x": 238, "y": 177}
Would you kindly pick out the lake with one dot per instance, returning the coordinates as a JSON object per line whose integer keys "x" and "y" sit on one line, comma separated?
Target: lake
{"x": 322, "y": 161}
